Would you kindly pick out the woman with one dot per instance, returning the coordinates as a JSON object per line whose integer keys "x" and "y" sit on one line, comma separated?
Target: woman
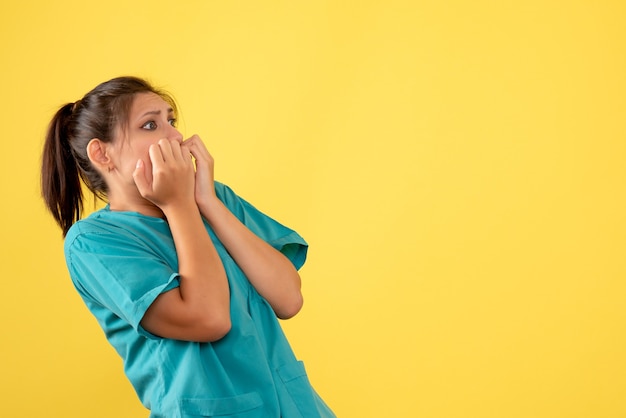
{"x": 185, "y": 278}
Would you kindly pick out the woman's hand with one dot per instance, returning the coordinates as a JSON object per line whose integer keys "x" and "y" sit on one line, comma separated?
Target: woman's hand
{"x": 172, "y": 180}
{"x": 204, "y": 180}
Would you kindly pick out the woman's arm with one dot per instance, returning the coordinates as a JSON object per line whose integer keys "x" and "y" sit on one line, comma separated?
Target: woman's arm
{"x": 198, "y": 310}
{"x": 268, "y": 270}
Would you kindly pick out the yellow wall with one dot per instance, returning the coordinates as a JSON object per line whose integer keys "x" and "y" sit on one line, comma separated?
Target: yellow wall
{"x": 457, "y": 167}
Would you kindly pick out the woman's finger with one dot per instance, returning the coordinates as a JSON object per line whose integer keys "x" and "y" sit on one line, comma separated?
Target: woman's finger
{"x": 166, "y": 149}
{"x": 196, "y": 148}
{"x": 156, "y": 155}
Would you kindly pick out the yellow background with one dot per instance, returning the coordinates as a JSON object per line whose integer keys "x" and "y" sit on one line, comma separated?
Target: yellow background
{"x": 457, "y": 168}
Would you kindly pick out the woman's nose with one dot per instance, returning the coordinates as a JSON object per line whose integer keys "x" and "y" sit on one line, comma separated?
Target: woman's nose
{"x": 174, "y": 134}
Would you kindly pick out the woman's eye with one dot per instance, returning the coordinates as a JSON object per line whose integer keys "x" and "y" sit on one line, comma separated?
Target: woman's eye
{"x": 173, "y": 122}
{"x": 149, "y": 126}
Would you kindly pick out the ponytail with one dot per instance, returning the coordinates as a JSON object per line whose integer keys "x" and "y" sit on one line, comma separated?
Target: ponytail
{"x": 60, "y": 177}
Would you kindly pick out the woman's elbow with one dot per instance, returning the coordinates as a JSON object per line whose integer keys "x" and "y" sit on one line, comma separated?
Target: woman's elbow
{"x": 290, "y": 309}
{"x": 213, "y": 329}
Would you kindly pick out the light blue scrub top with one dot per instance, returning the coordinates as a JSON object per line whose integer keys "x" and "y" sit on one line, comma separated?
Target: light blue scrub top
{"x": 121, "y": 261}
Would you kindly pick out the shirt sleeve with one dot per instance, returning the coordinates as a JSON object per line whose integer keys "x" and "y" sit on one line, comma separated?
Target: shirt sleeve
{"x": 117, "y": 271}
{"x": 284, "y": 239}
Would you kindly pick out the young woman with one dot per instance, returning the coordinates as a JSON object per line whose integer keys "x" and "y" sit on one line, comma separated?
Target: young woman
{"x": 185, "y": 278}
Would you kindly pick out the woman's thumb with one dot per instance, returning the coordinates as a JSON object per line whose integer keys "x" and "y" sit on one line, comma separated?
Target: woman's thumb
{"x": 139, "y": 175}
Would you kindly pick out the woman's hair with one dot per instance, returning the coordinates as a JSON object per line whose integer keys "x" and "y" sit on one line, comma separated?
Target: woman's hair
{"x": 99, "y": 114}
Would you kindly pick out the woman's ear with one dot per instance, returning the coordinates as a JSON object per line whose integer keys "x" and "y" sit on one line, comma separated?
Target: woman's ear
{"x": 98, "y": 155}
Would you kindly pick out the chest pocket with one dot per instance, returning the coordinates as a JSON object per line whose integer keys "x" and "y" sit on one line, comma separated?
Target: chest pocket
{"x": 247, "y": 405}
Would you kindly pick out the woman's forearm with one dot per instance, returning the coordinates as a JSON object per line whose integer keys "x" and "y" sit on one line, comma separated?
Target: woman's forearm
{"x": 202, "y": 277}
{"x": 199, "y": 309}
{"x": 268, "y": 270}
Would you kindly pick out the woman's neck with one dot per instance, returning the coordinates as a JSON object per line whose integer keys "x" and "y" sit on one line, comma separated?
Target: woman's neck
{"x": 124, "y": 203}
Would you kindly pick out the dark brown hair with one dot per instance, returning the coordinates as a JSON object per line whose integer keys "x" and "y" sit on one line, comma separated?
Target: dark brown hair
{"x": 99, "y": 114}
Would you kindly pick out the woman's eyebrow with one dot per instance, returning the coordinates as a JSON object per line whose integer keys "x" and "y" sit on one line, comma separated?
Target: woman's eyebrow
{"x": 156, "y": 112}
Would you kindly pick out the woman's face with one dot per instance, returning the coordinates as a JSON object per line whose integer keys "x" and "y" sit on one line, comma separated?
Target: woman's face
{"x": 150, "y": 118}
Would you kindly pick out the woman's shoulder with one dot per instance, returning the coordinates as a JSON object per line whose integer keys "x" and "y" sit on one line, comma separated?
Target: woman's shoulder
{"x": 105, "y": 222}
{"x": 226, "y": 194}
{"x": 222, "y": 190}
{"x": 94, "y": 223}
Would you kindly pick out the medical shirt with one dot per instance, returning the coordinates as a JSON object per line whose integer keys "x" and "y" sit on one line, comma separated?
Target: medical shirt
{"x": 120, "y": 262}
